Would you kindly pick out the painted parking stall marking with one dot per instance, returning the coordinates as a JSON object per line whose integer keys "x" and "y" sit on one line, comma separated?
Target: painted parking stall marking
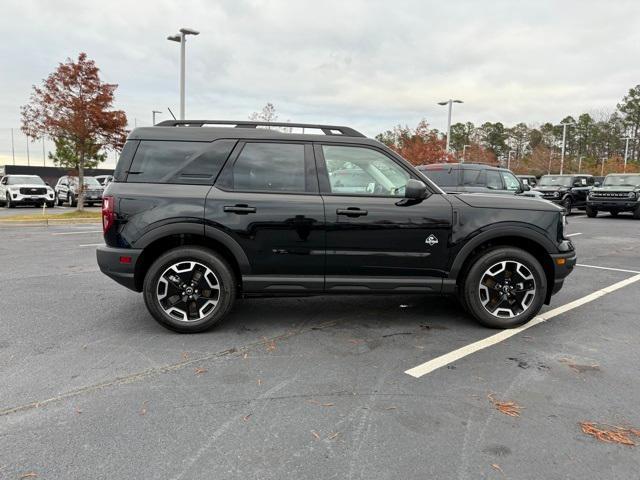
{"x": 446, "y": 359}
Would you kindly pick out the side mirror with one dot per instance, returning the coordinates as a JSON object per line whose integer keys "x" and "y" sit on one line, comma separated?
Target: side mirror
{"x": 415, "y": 189}
{"x": 526, "y": 188}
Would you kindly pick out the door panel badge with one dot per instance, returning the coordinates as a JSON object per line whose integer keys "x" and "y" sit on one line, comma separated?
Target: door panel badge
{"x": 431, "y": 240}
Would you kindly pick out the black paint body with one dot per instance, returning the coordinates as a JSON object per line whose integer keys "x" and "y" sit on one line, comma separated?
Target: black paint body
{"x": 287, "y": 243}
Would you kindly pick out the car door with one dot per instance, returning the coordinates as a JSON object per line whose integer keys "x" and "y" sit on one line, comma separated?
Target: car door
{"x": 580, "y": 190}
{"x": 376, "y": 239}
{"x": 267, "y": 199}
{"x": 62, "y": 190}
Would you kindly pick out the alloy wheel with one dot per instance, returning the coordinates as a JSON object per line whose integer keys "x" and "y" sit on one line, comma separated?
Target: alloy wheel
{"x": 507, "y": 289}
{"x": 188, "y": 291}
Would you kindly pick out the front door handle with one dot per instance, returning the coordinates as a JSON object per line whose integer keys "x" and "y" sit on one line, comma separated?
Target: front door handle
{"x": 240, "y": 209}
{"x": 351, "y": 212}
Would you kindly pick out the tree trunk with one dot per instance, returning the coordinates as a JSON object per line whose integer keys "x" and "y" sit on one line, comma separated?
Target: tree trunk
{"x": 80, "y": 206}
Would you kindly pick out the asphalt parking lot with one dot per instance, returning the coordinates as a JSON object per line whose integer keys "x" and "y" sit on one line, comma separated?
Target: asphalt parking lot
{"x": 308, "y": 388}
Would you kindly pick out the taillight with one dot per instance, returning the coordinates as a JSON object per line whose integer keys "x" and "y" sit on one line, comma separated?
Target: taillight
{"x": 107, "y": 213}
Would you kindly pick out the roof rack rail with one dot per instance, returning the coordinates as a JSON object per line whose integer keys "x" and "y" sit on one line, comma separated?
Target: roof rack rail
{"x": 326, "y": 129}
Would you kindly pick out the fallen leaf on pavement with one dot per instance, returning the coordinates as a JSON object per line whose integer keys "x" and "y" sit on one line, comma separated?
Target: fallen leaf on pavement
{"x": 497, "y": 467}
{"x": 313, "y": 432}
{"x": 508, "y": 408}
{"x": 391, "y": 408}
{"x": 143, "y": 410}
{"x": 610, "y": 434}
{"x": 247, "y": 417}
{"x": 333, "y": 435}
{"x": 356, "y": 341}
{"x": 245, "y": 356}
{"x": 259, "y": 382}
{"x": 78, "y": 411}
{"x": 200, "y": 370}
{"x": 185, "y": 356}
{"x": 29, "y": 475}
{"x": 576, "y": 367}
{"x": 269, "y": 344}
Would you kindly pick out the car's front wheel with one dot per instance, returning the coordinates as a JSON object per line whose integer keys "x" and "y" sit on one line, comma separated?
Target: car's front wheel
{"x": 567, "y": 203}
{"x": 505, "y": 287}
{"x": 189, "y": 289}
{"x": 9, "y": 203}
{"x": 592, "y": 212}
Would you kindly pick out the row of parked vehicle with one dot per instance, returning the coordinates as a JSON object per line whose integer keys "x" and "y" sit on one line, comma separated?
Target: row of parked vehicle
{"x": 615, "y": 193}
{"x": 33, "y": 190}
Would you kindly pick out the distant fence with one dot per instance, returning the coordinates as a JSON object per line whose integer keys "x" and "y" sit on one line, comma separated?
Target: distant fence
{"x": 17, "y": 149}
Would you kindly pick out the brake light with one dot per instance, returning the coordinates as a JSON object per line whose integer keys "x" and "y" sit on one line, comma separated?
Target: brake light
{"x": 107, "y": 213}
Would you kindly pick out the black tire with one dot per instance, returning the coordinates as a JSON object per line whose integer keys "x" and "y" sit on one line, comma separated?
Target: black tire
{"x": 72, "y": 200}
{"x": 614, "y": 213}
{"x": 223, "y": 275}
{"x": 567, "y": 204}
{"x": 51, "y": 204}
{"x": 479, "y": 269}
{"x": 636, "y": 213}
{"x": 592, "y": 212}
{"x": 9, "y": 203}
{"x": 58, "y": 200}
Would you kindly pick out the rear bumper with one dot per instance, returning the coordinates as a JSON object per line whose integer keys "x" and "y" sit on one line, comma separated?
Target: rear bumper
{"x": 563, "y": 264}
{"x": 113, "y": 263}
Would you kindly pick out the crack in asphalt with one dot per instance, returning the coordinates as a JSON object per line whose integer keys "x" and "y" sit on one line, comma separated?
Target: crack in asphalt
{"x": 149, "y": 372}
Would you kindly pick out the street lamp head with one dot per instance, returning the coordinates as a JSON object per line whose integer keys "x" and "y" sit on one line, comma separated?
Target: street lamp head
{"x": 189, "y": 31}
{"x": 443, "y": 103}
{"x": 458, "y": 101}
{"x": 175, "y": 38}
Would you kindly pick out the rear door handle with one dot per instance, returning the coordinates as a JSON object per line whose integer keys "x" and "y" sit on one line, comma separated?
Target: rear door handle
{"x": 240, "y": 209}
{"x": 351, "y": 212}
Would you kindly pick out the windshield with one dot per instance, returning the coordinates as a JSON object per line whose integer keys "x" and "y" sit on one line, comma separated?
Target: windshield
{"x": 443, "y": 177}
{"x": 555, "y": 181}
{"x": 622, "y": 180}
{"x": 22, "y": 180}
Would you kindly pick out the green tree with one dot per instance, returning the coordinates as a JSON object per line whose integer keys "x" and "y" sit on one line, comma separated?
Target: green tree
{"x": 630, "y": 108}
{"x": 67, "y": 155}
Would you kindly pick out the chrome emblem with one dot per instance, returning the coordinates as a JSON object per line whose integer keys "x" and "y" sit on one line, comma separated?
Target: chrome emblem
{"x": 431, "y": 240}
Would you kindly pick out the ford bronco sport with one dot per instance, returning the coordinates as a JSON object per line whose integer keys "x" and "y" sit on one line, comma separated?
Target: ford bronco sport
{"x": 202, "y": 212}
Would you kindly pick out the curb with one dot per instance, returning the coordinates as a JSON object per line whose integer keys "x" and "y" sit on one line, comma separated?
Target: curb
{"x": 48, "y": 222}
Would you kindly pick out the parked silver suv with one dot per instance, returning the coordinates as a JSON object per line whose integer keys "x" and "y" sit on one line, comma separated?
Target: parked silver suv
{"x": 67, "y": 191}
{"x": 25, "y": 190}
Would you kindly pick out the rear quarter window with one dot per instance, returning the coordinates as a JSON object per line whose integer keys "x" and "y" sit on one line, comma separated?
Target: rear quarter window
{"x": 190, "y": 163}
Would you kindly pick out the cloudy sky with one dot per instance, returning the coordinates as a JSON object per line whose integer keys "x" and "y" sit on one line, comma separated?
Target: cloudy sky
{"x": 367, "y": 63}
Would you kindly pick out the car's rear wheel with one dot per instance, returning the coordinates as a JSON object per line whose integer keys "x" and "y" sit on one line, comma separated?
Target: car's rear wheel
{"x": 505, "y": 287}
{"x": 592, "y": 212}
{"x": 189, "y": 289}
{"x": 636, "y": 213}
{"x": 72, "y": 200}
{"x": 58, "y": 200}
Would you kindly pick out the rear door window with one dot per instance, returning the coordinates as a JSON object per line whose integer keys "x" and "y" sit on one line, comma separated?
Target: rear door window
{"x": 270, "y": 167}
{"x": 192, "y": 163}
{"x": 443, "y": 177}
{"x": 473, "y": 177}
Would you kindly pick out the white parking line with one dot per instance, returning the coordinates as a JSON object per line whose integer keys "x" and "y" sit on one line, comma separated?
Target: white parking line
{"x": 92, "y": 245}
{"x": 574, "y": 234}
{"x": 77, "y": 233}
{"x": 451, "y": 357}
{"x": 608, "y": 268}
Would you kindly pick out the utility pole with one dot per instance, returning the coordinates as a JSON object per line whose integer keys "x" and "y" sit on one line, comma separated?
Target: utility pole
{"x": 44, "y": 159}
{"x": 450, "y": 103}
{"x": 13, "y": 148}
{"x": 580, "y": 163}
{"x": 604, "y": 159}
{"x": 181, "y": 38}
{"x": 28, "y": 158}
{"x": 509, "y": 159}
{"x": 626, "y": 151}
{"x": 153, "y": 114}
{"x": 564, "y": 140}
{"x": 464, "y": 153}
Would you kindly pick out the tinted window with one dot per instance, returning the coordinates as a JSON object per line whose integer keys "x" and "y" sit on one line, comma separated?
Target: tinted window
{"x": 473, "y": 177}
{"x": 269, "y": 167}
{"x": 363, "y": 171}
{"x": 443, "y": 177}
{"x": 493, "y": 180}
{"x": 120, "y": 173}
{"x": 22, "y": 180}
{"x": 196, "y": 163}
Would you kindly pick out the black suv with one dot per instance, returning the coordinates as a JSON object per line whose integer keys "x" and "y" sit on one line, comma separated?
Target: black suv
{"x": 475, "y": 178}
{"x": 620, "y": 192}
{"x": 199, "y": 215}
{"x": 570, "y": 191}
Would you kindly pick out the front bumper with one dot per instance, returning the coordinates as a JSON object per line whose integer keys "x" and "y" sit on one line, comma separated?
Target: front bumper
{"x": 563, "y": 264}
{"x": 119, "y": 264}
{"x": 31, "y": 199}
{"x": 613, "y": 204}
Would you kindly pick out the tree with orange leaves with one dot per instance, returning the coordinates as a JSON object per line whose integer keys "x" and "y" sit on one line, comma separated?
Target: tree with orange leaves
{"x": 419, "y": 146}
{"x": 74, "y": 107}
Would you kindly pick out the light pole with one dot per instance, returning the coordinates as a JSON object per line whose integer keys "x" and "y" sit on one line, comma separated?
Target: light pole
{"x": 564, "y": 140}
{"x": 626, "y": 151}
{"x": 464, "y": 153}
{"x": 153, "y": 115}
{"x": 509, "y": 159}
{"x": 580, "y": 163}
{"x": 181, "y": 38}
{"x": 449, "y": 102}
{"x": 604, "y": 159}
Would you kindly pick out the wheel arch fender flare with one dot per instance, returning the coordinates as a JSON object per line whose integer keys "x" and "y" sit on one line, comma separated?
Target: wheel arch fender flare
{"x": 197, "y": 228}
{"x": 523, "y": 232}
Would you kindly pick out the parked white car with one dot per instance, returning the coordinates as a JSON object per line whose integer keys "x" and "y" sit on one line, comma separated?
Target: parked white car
{"x": 25, "y": 190}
